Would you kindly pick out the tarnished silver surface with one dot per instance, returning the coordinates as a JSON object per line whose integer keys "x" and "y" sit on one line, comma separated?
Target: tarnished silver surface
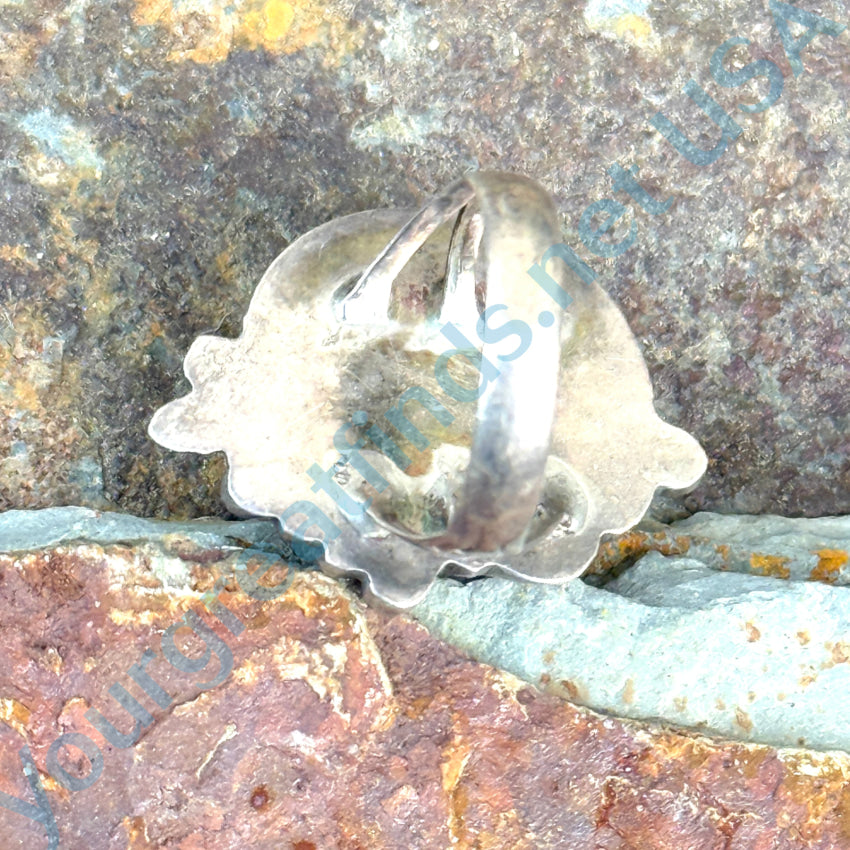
{"x": 344, "y": 413}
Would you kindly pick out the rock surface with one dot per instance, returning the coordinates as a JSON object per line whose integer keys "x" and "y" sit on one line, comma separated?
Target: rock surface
{"x": 22, "y": 530}
{"x": 339, "y": 727}
{"x": 761, "y": 656}
{"x": 781, "y": 547}
{"x": 746, "y": 637}
{"x": 156, "y": 156}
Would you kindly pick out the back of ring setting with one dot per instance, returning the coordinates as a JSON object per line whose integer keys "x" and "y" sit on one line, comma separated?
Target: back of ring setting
{"x": 417, "y": 392}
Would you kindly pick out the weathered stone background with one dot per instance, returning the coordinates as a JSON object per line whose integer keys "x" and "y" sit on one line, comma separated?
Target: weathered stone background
{"x": 156, "y": 156}
{"x": 340, "y": 727}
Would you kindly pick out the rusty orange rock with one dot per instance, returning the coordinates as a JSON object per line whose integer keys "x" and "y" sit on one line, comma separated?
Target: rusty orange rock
{"x": 342, "y": 726}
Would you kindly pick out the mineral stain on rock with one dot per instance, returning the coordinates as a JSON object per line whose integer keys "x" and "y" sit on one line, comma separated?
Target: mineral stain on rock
{"x": 293, "y": 751}
{"x": 769, "y": 565}
{"x": 829, "y": 566}
{"x": 208, "y": 32}
{"x": 260, "y": 798}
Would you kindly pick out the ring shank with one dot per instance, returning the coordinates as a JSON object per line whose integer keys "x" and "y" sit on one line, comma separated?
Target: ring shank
{"x": 505, "y": 478}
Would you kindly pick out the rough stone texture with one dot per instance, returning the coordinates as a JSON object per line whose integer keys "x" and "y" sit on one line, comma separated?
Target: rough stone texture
{"x": 802, "y": 549}
{"x": 22, "y": 530}
{"x": 718, "y": 641}
{"x": 692, "y": 640}
{"x": 343, "y": 728}
{"x": 156, "y": 156}
{"x": 745, "y": 657}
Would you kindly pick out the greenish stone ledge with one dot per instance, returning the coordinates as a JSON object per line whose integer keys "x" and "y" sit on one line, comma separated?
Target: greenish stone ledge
{"x": 695, "y": 642}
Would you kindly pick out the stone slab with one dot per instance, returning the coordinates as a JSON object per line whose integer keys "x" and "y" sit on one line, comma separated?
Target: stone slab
{"x": 343, "y": 728}
{"x": 156, "y": 156}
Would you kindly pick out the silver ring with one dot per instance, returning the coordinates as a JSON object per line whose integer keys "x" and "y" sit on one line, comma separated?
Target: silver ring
{"x": 435, "y": 391}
